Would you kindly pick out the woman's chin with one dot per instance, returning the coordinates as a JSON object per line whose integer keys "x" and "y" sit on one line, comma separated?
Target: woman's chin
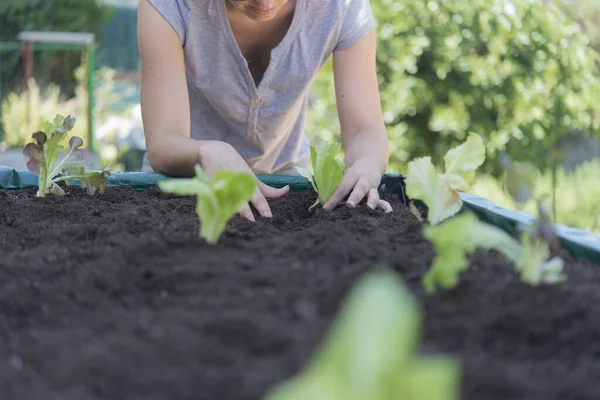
{"x": 260, "y": 15}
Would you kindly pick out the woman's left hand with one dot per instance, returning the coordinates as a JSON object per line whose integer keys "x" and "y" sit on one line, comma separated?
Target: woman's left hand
{"x": 360, "y": 183}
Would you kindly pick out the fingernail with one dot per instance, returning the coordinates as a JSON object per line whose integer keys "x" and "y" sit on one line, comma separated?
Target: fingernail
{"x": 371, "y": 206}
{"x": 351, "y": 204}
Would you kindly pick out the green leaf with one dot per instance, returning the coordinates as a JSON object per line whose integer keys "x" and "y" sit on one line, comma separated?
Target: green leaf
{"x": 462, "y": 161}
{"x": 454, "y": 240}
{"x": 232, "y": 191}
{"x": 217, "y": 200}
{"x": 185, "y": 187}
{"x": 425, "y": 184}
{"x": 440, "y": 192}
{"x": 370, "y": 351}
{"x": 535, "y": 267}
{"x": 207, "y": 208}
{"x": 94, "y": 181}
{"x": 328, "y": 170}
{"x": 431, "y": 378}
{"x": 56, "y": 190}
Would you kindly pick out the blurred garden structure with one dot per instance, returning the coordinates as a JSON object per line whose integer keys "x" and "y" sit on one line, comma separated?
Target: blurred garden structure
{"x": 523, "y": 74}
{"x": 58, "y": 80}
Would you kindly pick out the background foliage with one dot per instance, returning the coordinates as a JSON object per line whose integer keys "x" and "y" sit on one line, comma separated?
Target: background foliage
{"x": 520, "y": 73}
{"x": 47, "y": 15}
{"x": 587, "y": 13}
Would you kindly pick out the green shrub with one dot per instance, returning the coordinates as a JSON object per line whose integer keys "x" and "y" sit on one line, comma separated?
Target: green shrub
{"x": 24, "y": 112}
{"x": 521, "y": 74}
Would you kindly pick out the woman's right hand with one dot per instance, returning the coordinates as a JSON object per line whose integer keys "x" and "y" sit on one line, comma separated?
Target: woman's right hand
{"x": 218, "y": 156}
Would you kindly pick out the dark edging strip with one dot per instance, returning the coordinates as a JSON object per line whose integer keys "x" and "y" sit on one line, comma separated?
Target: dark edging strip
{"x": 578, "y": 242}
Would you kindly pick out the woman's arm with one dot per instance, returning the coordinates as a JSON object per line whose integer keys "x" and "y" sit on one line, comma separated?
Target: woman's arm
{"x": 364, "y": 137}
{"x": 164, "y": 96}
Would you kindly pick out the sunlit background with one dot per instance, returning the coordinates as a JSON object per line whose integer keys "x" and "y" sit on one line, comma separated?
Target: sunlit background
{"x": 524, "y": 74}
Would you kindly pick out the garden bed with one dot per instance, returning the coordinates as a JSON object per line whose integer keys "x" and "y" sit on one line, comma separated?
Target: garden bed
{"x": 115, "y": 297}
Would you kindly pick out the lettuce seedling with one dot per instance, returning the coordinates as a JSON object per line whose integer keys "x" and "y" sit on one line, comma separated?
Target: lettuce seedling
{"x": 328, "y": 171}
{"x": 370, "y": 352}
{"x": 441, "y": 192}
{"x": 217, "y": 200}
{"x": 52, "y": 162}
{"x": 458, "y": 237}
{"x": 541, "y": 262}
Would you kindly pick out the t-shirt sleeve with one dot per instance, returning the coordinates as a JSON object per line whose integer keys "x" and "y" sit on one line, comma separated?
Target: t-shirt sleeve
{"x": 177, "y": 14}
{"x": 359, "y": 21}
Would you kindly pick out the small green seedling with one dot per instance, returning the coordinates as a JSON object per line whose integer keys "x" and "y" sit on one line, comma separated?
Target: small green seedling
{"x": 370, "y": 352}
{"x": 217, "y": 200}
{"x": 328, "y": 171}
{"x": 441, "y": 192}
{"x": 459, "y": 236}
{"x": 454, "y": 240}
{"x": 537, "y": 264}
{"x": 541, "y": 262}
{"x": 52, "y": 162}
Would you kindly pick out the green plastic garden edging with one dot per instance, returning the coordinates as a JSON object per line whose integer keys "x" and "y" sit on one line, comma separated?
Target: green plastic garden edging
{"x": 578, "y": 242}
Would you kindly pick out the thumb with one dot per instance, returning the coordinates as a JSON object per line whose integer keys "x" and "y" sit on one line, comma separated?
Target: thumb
{"x": 271, "y": 192}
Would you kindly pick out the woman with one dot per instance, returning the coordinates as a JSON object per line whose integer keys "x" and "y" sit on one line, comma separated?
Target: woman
{"x": 225, "y": 84}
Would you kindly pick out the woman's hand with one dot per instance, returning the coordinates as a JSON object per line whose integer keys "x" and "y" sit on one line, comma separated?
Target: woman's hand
{"x": 360, "y": 182}
{"x": 216, "y": 156}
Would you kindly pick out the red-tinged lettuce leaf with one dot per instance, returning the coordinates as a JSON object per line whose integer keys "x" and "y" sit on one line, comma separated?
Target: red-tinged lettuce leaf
{"x": 72, "y": 161}
{"x": 35, "y": 152}
{"x": 67, "y": 125}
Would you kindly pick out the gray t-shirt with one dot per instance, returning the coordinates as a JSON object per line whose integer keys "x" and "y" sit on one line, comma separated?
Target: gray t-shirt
{"x": 265, "y": 124}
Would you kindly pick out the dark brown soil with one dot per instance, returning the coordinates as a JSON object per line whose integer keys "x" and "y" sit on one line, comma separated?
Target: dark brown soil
{"x": 115, "y": 297}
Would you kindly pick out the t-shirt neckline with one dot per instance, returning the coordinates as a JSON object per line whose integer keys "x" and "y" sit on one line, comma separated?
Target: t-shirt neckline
{"x": 275, "y": 53}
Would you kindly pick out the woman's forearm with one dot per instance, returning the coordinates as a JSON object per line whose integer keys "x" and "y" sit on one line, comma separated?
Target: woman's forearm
{"x": 174, "y": 155}
{"x": 367, "y": 149}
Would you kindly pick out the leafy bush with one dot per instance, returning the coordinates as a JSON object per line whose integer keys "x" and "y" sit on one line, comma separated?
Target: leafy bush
{"x": 24, "y": 112}
{"x": 520, "y": 73}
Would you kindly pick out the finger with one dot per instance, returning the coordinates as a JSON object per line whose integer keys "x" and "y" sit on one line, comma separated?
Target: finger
{"x": 359, "y": 192}
{"x": 271, "y": 192}
{"x": 341, "y": 191}
{"x": 260, "y": 203}
{"x": 373, "y": 199}
{"x": 385, "y": 206}
{"x": 246, "y": 212}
